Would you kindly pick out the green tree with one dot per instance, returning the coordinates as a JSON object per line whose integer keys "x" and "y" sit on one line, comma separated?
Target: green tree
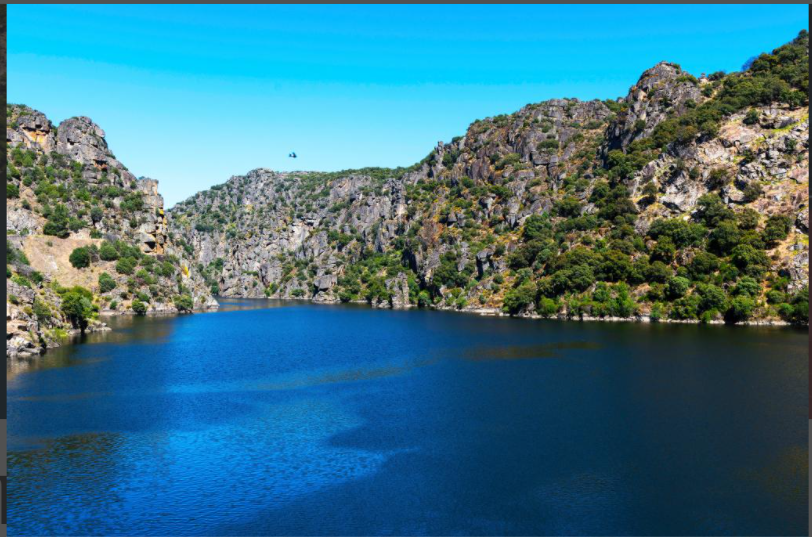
{"x": 184, "y": 303}
{"x": 777, "y": 229}
{"x": 676, "y": 287}
{"x": 80, "y": 258}
{"x": 741, "y": 309}
{"x": 139, "y": 307}
{"x": 108, "y": 252}
{"x": 712, "y": 298}
{"x": 106, "y": 283}
{"x": 519, "y": 298}
{"x": 57, "y": 224}
{"x": 77, "y": 306}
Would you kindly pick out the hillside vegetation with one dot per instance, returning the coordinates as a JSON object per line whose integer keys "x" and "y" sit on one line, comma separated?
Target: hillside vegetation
{"x": 685, "y": 200}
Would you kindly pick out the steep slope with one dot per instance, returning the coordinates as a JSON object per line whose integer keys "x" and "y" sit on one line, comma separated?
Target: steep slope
{"x": 83, "y": 236}
{"x": 687, "y": 199}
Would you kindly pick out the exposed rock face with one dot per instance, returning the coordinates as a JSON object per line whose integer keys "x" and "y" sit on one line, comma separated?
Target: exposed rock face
{"x": 71, "y": 168}
{"x": 465, "y": 206}
{"x": 555, "y": 210}
{"x": 662, "y": 90}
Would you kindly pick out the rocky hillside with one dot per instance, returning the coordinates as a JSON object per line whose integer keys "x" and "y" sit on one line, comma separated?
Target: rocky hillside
{"x": 685, "y": 200}
{"x": 84, "y": 236}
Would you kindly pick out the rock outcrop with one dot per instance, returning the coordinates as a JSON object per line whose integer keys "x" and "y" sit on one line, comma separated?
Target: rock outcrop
{"x": 66, "y": 191}
{"x": 453, "y": 227}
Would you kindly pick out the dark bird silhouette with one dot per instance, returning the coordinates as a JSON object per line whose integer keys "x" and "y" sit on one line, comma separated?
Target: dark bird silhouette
{"x": 293, "y": 155}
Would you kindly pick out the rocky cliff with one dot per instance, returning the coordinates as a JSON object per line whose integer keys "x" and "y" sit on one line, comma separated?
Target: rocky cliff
{"x": 84, "y": 236}
{"x": 685, "y": 200}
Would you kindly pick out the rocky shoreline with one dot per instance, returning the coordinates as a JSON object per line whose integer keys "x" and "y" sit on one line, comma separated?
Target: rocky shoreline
{"x": 27, "y": 354}
{"x": 495, "y": 312}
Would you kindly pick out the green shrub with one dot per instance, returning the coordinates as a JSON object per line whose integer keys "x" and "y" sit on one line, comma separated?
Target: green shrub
{"x": 547, "y": 307}
{"x": 80, "y": 258}
{"x": 676, "y": 287}
{"x": 741, "y": 309}
{"x": 797, "y": 310}
{"x": 184, "y": 303}
{"x": 19, "y": 279}
{"x": 126, "y": 265}
{"x": 108, "y": 252}
{"x": 751, "y": 118}
{"x": 139, "y": 307}
{"x": 777, "y": 229}
{"x": 42, "y": 311}
{"x": 547, "y": 145}
{"x": 519, "y": 298}
{"x": 106, "y": 283}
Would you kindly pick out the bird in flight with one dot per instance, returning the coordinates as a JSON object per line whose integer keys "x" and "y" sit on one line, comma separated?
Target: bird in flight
{"x": 292, "y": 155}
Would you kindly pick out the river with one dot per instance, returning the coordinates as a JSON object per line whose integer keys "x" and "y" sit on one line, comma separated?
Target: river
{"x": 280, "y": 418}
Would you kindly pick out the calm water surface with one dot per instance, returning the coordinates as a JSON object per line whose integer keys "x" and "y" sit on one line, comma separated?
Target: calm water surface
{"x": 298, "y": 419}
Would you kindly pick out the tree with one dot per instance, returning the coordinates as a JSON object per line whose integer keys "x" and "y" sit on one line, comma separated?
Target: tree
{"x": 749, "y": 260}
{"x": 108, "y": 252}
{"x": 537, "y": 227}
{"x": 658, "y": 272}
{"x": 96, "y": 213}
{"x": 741, "y": 309}
{"x": 725, "y": 237}
{"x": 797, "y": 311}
{"x": 777, "y": 229}
{"x": 712, "y": 298}
{"x": 616, "y": 266}
{"x": 747, "y": 286}
{"x": 184, "y": 303}
{"x": 57, "y": 224}
{"x": 106, "y": 283}
{"x": 568, "y": 206}
{"x": 139, "y": 307}
{"x": 712, "y": 210}
{"x": 622, "y": 304}
{"x": 519, "y": 298}
{"x": 680, "y": 232}
{"x": 77, "y": 306}
{"x": 547, "y": 307}
{"x": 702, "y": 264}
{"x": 748, "y": 218}
{"x": 650, "y": 191}
{"x": 718, "y": 178}
{"x": 676, "y": 287}
{"x": 80, "y": 258}
{"x": 664, "y": 250}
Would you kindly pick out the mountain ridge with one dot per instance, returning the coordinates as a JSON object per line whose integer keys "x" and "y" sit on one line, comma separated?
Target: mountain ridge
{"x": 686, "y": 200}
{"x": 671, "y": 141}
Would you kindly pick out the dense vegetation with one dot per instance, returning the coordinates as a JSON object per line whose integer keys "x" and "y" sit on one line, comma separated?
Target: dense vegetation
{"x": 712, "y": 266}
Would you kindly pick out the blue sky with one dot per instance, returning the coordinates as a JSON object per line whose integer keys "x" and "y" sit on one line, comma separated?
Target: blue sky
{"x": 191, "y": 95}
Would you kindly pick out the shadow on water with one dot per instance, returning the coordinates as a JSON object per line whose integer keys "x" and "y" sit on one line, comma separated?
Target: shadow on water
{"x": 288, "y": 418}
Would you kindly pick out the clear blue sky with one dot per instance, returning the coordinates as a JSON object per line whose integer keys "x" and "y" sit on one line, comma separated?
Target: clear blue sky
{"x": 191, "y": 95}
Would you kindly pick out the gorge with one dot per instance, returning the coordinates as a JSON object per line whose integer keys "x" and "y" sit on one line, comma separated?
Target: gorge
{"x": 686, "y": 200}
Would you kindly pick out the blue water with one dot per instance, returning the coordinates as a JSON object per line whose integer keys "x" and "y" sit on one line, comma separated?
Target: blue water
{"x": 296, "y": 419}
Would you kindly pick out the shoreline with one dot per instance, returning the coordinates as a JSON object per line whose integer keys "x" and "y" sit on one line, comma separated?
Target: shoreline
{"x": 496, "y": 312}
{"x": 482, "y": 312}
